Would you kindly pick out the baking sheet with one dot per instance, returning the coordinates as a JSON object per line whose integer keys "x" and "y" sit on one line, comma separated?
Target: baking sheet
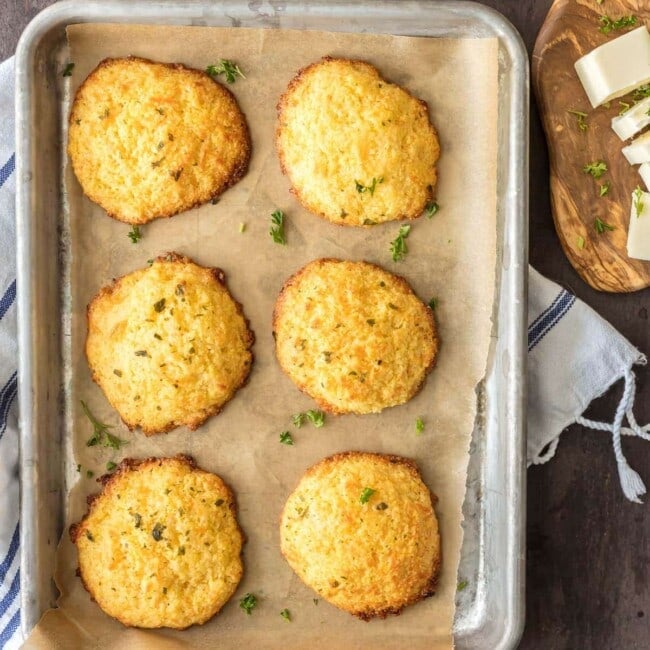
{"x": 451, "y": 257}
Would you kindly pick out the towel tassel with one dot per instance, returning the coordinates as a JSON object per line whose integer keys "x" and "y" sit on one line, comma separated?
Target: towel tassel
{"x": 631, "y": 483}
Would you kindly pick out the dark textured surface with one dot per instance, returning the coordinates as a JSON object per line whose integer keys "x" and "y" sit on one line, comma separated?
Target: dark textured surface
{"x": 588, "y": 581}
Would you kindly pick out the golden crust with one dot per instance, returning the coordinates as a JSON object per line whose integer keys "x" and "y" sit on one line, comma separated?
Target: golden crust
{"x": 353, "y": 336}
{"x": 160, "y": 545}
{"x": 370, "y": 559}
{"x": 149, "y": 140}
{"x": 342, "y": 128}
{"x": 168, "y": 344}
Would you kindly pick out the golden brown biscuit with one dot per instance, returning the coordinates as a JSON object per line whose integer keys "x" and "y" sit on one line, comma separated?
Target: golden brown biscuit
{"x": 353, "y": 336}
{"x": 149, "y": 140}
{"x": 168, "y": 345}
{"x": 357, "y": 149}
{"x": 160, "y": 545}
{"x": 361, "y": 531}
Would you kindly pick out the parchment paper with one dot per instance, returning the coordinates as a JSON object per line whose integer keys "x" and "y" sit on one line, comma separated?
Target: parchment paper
{"x": 451, "y": 257}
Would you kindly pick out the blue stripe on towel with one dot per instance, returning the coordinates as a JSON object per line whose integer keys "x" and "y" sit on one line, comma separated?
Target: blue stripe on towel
{"x": 10, "y": 629}
{"x": 7, "y": 396}
{"x": 10, "y": 596}
{"x": 11, "y": 553}
{"x": 549, "y": 318}
{"x": 8, "y": 299}
{"x": 7, "y": 169}
{"x": 543, "y": 315}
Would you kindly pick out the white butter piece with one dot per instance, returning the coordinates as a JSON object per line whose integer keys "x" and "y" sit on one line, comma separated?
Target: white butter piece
{"x": 644, "y": 170}
{"x": 633, "y": 120}
{"x": 638, "y": 234}
{"x": 616, "y": 68}
{"x": 639, "y": 151}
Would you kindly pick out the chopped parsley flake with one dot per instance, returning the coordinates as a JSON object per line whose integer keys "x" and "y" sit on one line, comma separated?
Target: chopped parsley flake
{"x": 157, "y": 531}
{"x": 285, "y": 438}
{"x": 101, "y": 435}
{"x": 596, "y": 168}
{"x": 580, "y": 242}
{"x": 461, "y": 585}
{"x": 286, "y": 615}
{"x": 89, "y": 473}
{"x": 110, "y": 466}
{"x": 430, "y": 209}
{"x": 625, "y": 107}
{"x": 366, "y": 493}
{"x": 277, "y": 227}
{"x": 601, "y": 226}
{"x": 433, "y": 303}
{"x": 604, "y": 188}
{"x": 67, "y": 71}
{"x": 135, "y": 234}
{"x": 582, "y": 119}
{"x": 370, "y": 189}
{"x": 398, "y": 246}
{"x": 317, "y": 418}
{"x": 298, "y": 420}
{"x": 227, "y": 68}
{"x": 638, "y": 201}
{"x": 641, "y": 92}
{"x": 419, "y": 425}
{"x": 248, "y": 603}
{"x": 608, "y": 25}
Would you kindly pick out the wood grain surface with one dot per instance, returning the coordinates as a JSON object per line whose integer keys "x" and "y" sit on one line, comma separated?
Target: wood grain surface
{"x": 588, "y": 557}
{"x": 570, "y": 31}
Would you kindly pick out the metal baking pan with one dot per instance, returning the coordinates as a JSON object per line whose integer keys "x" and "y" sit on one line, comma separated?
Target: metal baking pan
{"x": 490, "y": 610}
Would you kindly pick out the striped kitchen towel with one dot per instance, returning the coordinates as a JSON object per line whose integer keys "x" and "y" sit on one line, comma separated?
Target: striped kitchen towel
{"x": 573, "y": 355}
{"x": 9, "y": 534}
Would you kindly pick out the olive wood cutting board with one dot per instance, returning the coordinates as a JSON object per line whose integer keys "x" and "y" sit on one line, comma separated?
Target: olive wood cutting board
{"x": 571, "y": 30}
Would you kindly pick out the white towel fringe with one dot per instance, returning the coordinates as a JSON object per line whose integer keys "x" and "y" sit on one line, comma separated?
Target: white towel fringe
{"x": 545, "y": 456}
{"x": 631, "y": 483}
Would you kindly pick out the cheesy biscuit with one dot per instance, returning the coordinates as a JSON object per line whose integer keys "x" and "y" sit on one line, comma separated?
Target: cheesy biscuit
{"x": 168, "y": 345}
{"x": 160, "y": 545}
{"x": 149, "y": 140}
{"x": 353, "y": 336}
{"x": 361, "y": 531}
{"x": 357, "y": 149}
